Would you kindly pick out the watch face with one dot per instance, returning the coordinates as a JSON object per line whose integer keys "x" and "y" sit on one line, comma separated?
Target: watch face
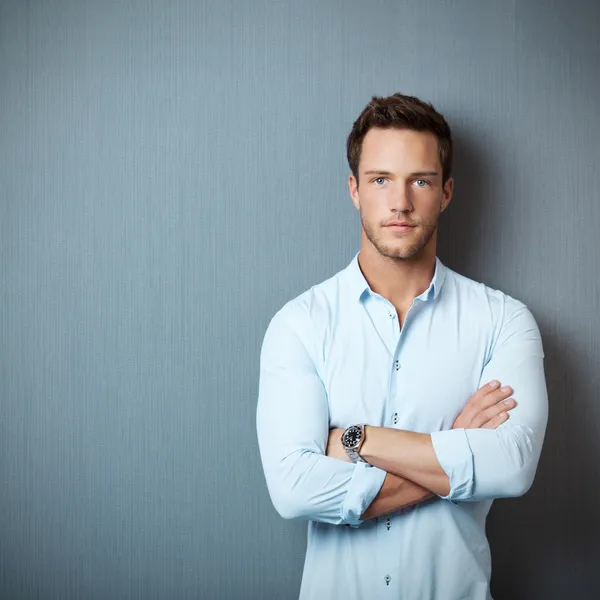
{"x": 352, "y": 436}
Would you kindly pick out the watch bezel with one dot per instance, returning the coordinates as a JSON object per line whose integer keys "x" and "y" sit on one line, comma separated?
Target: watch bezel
{"x": 352, "y": 428}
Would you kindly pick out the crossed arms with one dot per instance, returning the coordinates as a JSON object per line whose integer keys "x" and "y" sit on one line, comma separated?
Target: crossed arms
{"x": 487, "y": 408}
{"x": 481, "y": 458}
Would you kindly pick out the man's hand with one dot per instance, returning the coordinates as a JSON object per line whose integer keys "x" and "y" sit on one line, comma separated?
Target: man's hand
{"x": 487, "y": 408}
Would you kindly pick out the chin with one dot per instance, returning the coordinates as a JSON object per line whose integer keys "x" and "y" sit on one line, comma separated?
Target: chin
{"x": 398, "y": 252}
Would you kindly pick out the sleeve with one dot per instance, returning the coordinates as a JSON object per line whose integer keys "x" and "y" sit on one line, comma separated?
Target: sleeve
{"x": 483, "y": 464}
{"x": 292, "y": 424}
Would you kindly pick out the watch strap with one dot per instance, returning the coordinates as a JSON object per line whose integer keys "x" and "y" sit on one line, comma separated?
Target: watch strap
{"x": 353, "y": 453}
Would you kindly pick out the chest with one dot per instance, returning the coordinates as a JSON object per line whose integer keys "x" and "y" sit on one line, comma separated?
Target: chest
{"x": 418, "y": 380}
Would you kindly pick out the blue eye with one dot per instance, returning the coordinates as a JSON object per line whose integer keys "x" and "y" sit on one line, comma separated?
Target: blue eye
{"x": 421, "y": 181}
{"x": 379, "y": 180}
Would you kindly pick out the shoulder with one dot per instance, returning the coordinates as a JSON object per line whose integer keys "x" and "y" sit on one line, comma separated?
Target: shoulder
{"x": 481, "y": 297}
{"x": 310, "y": 312}
{"x": 501, "y": 314}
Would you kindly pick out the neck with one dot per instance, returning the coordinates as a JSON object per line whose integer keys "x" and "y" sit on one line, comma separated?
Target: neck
{"x": 398, "y": 280}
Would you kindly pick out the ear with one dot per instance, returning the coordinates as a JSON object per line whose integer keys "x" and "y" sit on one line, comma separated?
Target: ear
{"x": 447, "y": 194}
{"x": 353, "y": 188}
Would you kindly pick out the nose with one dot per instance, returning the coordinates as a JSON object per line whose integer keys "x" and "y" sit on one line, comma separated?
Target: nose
{"x": 400, "y": 199}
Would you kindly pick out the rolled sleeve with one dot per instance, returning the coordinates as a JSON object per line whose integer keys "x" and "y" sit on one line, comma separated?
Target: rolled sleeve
{"x": 454, "y": 454}
{"x": 484, "y": 464}
{"x": 364, "y": 486}
{"x": 293, "y": 428}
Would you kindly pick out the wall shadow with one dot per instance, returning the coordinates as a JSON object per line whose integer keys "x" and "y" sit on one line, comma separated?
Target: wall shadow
{"x": 546, "y": 543}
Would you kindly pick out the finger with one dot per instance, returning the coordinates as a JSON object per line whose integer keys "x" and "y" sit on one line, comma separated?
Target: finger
{"x": 471, "y": 407}
{"x": 483, "y": 391}
{"x": 485, "y": 397}
{"x": 491, "y": 399}
{"x": 496, "y": 421}
{"x": 487, "y": 415}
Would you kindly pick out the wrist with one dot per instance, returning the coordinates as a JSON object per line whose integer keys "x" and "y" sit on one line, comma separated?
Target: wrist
{"x": 352, "y": 440}
{"x": 366, "y": 449}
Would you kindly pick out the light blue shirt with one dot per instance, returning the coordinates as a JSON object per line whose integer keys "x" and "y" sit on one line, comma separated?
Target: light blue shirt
{"x": 335, "y": 356}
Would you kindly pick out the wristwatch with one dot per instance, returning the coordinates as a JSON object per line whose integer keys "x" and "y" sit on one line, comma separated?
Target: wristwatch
{"x": 352, "y": 439}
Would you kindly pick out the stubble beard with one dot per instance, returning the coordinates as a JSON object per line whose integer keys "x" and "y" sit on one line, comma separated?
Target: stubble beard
{"x": 406, "y": 251}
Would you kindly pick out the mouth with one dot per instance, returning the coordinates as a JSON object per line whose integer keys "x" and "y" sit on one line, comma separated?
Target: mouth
{"x": 400, "y": 227}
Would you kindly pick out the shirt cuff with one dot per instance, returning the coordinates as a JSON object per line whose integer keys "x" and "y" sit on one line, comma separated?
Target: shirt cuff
{"x": 364, "y": 486}
{"x": 456, "y": 458}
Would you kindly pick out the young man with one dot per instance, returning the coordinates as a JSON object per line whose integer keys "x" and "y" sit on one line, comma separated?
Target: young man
{"x": 398, "y": 398}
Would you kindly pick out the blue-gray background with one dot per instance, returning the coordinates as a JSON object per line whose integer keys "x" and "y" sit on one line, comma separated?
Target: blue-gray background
{"x": 172, "y": 172}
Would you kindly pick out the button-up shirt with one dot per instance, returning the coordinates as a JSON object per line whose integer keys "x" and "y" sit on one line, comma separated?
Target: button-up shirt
{"x": 336, "y": 356}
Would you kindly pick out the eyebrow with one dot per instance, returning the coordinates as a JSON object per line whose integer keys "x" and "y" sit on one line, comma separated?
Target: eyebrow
{"x": 415, "y": 174}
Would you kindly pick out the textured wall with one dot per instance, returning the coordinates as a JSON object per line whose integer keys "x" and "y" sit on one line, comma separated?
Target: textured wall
{"x": 171, "y": 172}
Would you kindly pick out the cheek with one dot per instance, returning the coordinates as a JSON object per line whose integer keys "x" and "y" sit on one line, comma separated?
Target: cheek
{"x": 374, "y": 207}
{"x": 371, "y": 216}
{"x": 428, "y": 206}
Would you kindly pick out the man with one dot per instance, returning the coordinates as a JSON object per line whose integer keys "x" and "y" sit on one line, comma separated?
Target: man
{"x": 398, "y": 398}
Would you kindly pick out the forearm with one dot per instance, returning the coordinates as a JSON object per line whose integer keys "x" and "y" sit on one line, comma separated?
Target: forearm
{"x": 406, "y": 454}
{"x": 396, "y": 493}
{"x": 309, "y": 486}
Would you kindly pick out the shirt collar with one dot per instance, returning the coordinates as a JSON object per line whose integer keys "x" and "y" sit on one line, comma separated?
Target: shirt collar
{"x": 359, "y": 285}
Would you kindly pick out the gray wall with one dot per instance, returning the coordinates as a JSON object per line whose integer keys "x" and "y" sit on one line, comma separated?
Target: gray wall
{"x": 171, "y": 173}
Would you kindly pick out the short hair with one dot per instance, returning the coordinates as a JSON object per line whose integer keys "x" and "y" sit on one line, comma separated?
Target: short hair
{"x": 399, "y": 111}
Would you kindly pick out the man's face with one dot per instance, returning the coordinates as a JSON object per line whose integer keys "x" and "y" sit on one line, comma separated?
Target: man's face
{"x": 400, "y": 179}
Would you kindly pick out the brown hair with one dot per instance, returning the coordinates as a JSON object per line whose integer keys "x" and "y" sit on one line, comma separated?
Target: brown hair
{"x": 400, "y": 112}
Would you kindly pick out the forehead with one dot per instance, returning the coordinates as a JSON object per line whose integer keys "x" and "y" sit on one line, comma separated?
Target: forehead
{"x": 398, "y": 150}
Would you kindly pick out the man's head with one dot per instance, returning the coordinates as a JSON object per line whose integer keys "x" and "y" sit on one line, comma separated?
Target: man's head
{"x": 400, "y": 155}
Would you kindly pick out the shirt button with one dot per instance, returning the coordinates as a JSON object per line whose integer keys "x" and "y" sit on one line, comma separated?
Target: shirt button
{"x": 397, "y": 365}
{"x": 395, "y": 418}
{"x": 388, "y": 524}
{"x": 387, "y": 579}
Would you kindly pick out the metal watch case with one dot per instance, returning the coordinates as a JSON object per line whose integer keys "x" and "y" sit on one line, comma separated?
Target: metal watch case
{"x": 352, "y": 439}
